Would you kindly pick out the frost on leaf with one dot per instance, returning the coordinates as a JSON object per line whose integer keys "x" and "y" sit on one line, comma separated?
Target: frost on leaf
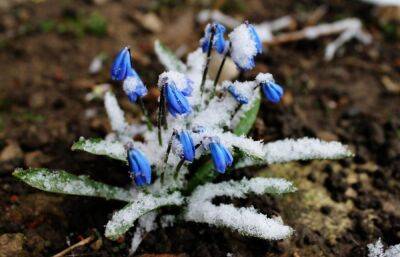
{"x": 168, "y": 58}
{"x": 66, "y": 183}
{"x": 247, "y": 221}
{"x": 377, "y": 250}
{"x": 123, "y": 219}
{"x": 298, "y": 149}
{"x": 146, "y": 224}
{"x": 112, "y": 149}
{"x": 115, "y": 113}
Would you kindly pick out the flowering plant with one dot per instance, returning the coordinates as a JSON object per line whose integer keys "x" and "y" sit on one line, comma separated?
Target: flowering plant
{"x": 201, "y": 132}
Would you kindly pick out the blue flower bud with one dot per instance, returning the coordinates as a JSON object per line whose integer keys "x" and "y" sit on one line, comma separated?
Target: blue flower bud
{"x": 187, "y": 91}
{"x": 139, "y": 167}
{"x": 186, "y": 141}
{"x": 121, "y": 66}
{"x": 177, "y": 103}
{"x": 239, "y": 97}
{"x": 221, "y": 156}
{"x": 245, "y": 45}
{"x": 272, "y": 91}
{"x": 219, "y": 43}
{"x": 134, "y": 87}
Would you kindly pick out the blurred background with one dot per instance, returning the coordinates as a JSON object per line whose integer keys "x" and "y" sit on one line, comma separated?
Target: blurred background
{"x": 54, "y": 61}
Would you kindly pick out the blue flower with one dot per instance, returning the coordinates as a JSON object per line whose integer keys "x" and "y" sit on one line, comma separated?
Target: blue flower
{"x": 219, "y": 43}
{"x": 239, "y": 97}
{"x": 134, "y": 87}
{"x": 121, "y": 66}
{"x": 272, "y": 91}
{"x": 245, "y": 45}
{"x": 177, "y": 103}
{"x": 139, "y": 167}
{"x": 187, "y": 91}
{"x": 186, "y": 141}
{"x": 221, "y": 156}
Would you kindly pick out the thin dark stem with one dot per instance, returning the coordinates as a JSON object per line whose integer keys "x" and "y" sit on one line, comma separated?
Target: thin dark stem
{"x": 210, "y": 45}
{"x": 146, "y": 114}
{"x": 178, "y": 167}
{"x": 220, "y": 69}
{"x": 160, "y": 114}
{"x": 169, "y": 147}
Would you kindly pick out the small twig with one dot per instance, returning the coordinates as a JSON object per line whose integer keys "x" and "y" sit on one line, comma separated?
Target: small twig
{"x": 72, "y": 247}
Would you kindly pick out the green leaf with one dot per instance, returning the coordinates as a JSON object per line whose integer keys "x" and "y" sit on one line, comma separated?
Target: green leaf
{"x": 168, "y": 58}
{"x": 66, "y": 183}
{"x": 124, "y": 219}
{"x": 206, "y": 172}
{"x": 114, "y": 150}
{"x": 248, "y": 119}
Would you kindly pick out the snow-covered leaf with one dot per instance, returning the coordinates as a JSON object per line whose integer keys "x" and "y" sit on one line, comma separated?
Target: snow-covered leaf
{"x": 298, "y": 149}
{"x": 247, "y": 120}
{"x": 247, "y": 221}
{"x": 112, "y": 149}
{"x": 124, "y": 219}
{"x": 63, "y": 182}
{"x": 168, "y": 58}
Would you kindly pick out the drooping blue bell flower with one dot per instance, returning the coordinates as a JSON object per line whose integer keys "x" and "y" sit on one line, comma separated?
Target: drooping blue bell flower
{"x": 237, "y": 95}
{"x": 177, "y": 103}
{"x": 245, "y": 45}
{"x": 186, "y": 142}
{"x": 221, "y": 156}
{"x": 219, "y": 43}
{"x": 121, "y": 66}
{"x": 272, "y": 91}
{"x": 133, "y": 86}
{"x": 139, "y": 166}
{"x": 188, "y": 89}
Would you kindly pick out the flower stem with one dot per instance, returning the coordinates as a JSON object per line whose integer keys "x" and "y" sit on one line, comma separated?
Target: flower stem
{"x": 220, "y": 69}
{"x": 146, "y": 114}
{"x": 178, "y": 167}
{"x": 210, "y": 45}
{"x": 160, "y": 114}
{"x": 169, "y": 147}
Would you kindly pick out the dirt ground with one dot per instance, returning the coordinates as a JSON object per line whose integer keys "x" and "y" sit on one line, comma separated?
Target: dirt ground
{"x": 46, "y": 48}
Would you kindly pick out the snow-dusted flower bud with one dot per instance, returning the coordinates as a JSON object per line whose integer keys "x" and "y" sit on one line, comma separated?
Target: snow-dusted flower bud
{"x": 139, "y": 167}
{"x": 184, "y": 146}
{"x": 272, "y": 91}
{"x": 176, "y": 86}
{"x": 134, "y": 87}
{"x": 246, "y": 44}
{"x": 237, "y": 95}
{"x": 121, "y": 66}
{"x": 221, "y": 156}
{"x": 219, "y": 43}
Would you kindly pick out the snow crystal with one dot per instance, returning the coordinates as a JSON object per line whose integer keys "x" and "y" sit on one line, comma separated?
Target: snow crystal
{"x": 244, "y": 220}
{"x": 377, "y": 250}
{"x": 383, "y": 2}
{"x": 177, "y": 78}
{"x": 264, "y": 78}
{"x": 247, "y": 145}
{"x": 114, "y": 112}
{"x": 167, "y": 221}
{"x": 243, "y": 46}
{"x": 304, "y": 149}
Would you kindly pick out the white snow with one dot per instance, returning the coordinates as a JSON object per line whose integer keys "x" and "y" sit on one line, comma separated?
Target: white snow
{"x": 246, "y": 221}
{"x": 130, "y": 84}
{"x": 377, "y": 250}
{"x": 264, "y": 78}
{"x": 146, "y": 224}
{"x": 122, "y": 220}
{"x": 179, "y": 79}
{"x": 383, "y": 2}
{"x": 243, "y": 47}
{"x": 114, "y": 112}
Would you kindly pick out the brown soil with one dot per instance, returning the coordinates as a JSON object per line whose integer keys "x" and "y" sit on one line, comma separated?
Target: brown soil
{"x": 45, "y": 50}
